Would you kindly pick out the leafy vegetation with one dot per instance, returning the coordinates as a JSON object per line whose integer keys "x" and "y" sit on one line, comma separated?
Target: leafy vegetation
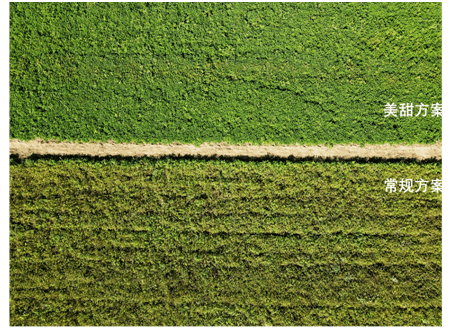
{"x": 235, "y": 72}
{"x": 222, "y": 242}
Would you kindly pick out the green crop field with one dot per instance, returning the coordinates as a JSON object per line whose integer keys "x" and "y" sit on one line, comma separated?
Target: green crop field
{"x": 235, "y": 72}
{"x": 222, "y": 242}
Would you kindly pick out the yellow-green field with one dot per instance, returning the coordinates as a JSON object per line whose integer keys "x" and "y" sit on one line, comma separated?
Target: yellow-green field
{"x": 222, "y": 242}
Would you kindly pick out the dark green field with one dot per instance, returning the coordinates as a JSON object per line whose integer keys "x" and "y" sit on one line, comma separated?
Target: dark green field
{"x": 220, "y": 242}
{"x": 312, "y": 73}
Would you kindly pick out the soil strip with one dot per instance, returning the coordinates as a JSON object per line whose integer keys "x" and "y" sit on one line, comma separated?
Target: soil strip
{"x": 110, "y": 148}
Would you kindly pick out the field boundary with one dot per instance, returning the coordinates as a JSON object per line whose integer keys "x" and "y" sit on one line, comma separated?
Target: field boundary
{"x": 41, "y": 147}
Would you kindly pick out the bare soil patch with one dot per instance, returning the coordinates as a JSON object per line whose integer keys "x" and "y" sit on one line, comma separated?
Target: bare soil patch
{"x": 110, "y": 148}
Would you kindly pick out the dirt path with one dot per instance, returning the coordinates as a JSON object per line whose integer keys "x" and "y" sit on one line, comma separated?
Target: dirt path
{"x": 38, "y": 146}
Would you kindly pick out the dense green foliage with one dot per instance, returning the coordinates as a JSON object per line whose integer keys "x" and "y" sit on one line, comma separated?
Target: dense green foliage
{"x": 193, "y": 242}
{"x": 234, "y": 72}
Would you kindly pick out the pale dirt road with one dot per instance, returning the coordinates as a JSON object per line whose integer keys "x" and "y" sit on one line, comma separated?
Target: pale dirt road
{"x": 110, "y": 148}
